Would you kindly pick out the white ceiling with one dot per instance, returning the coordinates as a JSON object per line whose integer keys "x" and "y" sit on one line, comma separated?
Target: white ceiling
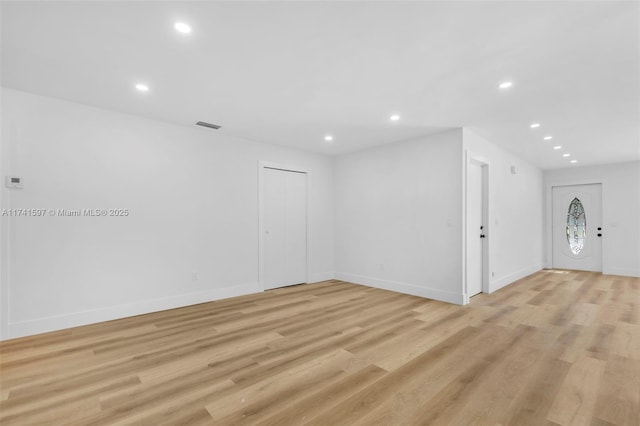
{"x": 291, "y": 72}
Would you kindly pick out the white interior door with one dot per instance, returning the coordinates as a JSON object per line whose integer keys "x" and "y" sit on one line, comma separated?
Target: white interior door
{"x": 475, "y": 228}
{"x": 285, "y": 228}
{"x": 577, "y": 227}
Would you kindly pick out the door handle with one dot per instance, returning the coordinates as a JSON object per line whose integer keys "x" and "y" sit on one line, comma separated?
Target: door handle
{"x": 482, "y": 235}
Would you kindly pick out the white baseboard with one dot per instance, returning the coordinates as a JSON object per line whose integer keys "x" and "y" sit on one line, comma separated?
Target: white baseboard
{"x": 426, "y": 292}
{"x": 321, "y": 276}
{"x": 504, "y": 281}
{"x": 59, "y": 322}
{"x": 622, "y": 271}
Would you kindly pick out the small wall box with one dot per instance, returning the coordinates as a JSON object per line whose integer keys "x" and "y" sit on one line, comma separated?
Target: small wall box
{"x": 13, "y": 182}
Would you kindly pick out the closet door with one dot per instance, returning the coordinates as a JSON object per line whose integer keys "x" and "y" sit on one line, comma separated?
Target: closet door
{"x": 285, "y": 228}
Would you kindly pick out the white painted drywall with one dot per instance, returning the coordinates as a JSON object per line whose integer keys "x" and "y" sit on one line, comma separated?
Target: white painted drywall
{"x": 398, "y": 217}
{"x": 515, "y": 225}
{"x": 193, "y": 200}
{"x": 4, "y": 223}
{"x": 620, "y": 212}
{"x": 192, "y": 194}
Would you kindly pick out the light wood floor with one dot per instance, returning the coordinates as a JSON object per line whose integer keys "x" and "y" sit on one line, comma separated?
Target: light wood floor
{"x": 556, "y": 348}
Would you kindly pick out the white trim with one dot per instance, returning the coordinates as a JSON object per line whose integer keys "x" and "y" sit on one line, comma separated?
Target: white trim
{"x": 270, "y": 165}
{"x": 627, "y": 272}
{"x": 59, "y": 322}
{"x": 406, "y": 288}
{"x": 321, "y": 276}
{"x": 511, "y": 278}
{"x": 4, "y": 267}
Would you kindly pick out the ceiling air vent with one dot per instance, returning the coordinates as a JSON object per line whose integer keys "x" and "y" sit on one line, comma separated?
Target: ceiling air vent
{"x": 209, "y": 125}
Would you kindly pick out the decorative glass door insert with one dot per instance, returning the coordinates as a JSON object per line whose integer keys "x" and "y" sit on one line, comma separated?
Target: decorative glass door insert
{"x": 576, "y": 226}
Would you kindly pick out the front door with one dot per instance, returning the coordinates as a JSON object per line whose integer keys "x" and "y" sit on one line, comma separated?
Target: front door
{"x": 577, "y": 227}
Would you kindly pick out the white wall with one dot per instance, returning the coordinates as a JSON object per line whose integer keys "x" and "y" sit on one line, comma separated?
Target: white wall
{"x": 620, "y": 212}
{"x": 193, "y": 200}
{"x": 398, "y": 217}
{"x": 192, "y": 194}
{"x": 515, "y": 211}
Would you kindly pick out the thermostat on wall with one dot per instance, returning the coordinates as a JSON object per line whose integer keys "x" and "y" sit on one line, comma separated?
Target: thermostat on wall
{"x": 13, "y": 182}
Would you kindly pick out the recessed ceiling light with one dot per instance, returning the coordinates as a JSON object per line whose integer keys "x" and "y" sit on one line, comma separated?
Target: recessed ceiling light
{"x": 535, "y": 125}
{"x": 548, "y": 138}
{"x": 505, "y": 85}
{"x": 557, "y": 147}
{"x": 328, "y": 138}
{"x": 394, "y": 117}
{"x": 566, "y": 155}
{"x": 573, "y": 161}
{"x": 182, "y": 28}
{"x": 142, "y": 87}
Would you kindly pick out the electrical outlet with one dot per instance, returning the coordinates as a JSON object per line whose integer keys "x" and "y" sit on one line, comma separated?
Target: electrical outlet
{"x": 195, "y": 276}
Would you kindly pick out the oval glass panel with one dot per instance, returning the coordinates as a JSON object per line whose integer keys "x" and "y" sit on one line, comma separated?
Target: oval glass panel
{"x": 576, "y": 226}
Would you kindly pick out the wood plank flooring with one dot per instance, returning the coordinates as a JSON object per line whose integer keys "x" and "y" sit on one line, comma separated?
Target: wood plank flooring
{"x": 555, "y": 348}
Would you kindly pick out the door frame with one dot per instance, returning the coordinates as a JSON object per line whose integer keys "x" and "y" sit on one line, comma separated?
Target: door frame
{"x": 261, "y": 226}
{"x": 470, "y": 157}
{"x": 548, "y": 217}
